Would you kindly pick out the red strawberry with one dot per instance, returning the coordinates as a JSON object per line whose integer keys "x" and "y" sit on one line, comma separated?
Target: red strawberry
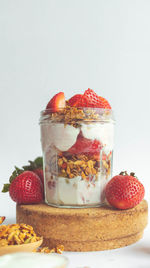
{"x": 26, "y": 188}
{"x": 104, "y": 103}
{"x": 91, "y": 99}
{"x": 57, "y": 102}
{"x": 85, "y": 146}
{"x": 36, "y": 166}
{"x": 74, "y": 101}
{"x": 124, "y": 191}
{"x": 39, "y": 172}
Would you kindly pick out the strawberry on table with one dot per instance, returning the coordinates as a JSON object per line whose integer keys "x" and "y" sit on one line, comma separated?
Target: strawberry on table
{"x": 26, "y": 185}
{"x": 37, "y": 167}
{"x": 124, "y": 191}
{"x": 39, "y": 172}
{"x": 57, "y": 102}
{"x": 26, "y": 188}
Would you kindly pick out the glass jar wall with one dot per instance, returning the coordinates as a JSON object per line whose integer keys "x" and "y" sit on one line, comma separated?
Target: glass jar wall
{"x": 77, "y": 146}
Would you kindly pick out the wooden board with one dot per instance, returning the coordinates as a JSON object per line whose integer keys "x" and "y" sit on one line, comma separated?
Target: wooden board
{"x": 86, "y": 229}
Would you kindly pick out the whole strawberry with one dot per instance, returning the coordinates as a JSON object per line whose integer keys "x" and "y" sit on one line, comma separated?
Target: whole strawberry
{"x": 124, "y": 191}
{"x": 26, "y": 188}
{"x": 26, "y": 184}
{"x": 37, "y": 167}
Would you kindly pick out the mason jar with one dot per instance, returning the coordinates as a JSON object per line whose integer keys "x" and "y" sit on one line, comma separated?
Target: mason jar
{"x": 77, "y": 145}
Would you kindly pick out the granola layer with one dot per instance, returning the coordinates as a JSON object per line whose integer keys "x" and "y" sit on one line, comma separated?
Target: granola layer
{"x": 73, "y": 115}
{"x": 84, "y": 165}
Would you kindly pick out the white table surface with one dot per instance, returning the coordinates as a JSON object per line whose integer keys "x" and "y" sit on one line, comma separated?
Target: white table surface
{"x": 134, "y": 256}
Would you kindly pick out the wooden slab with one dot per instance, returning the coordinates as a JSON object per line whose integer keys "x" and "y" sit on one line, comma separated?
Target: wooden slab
{"x": 86, "y": 229}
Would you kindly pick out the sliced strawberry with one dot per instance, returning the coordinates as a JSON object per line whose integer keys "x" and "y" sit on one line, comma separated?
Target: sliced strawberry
{"x": 91, "y": 99}
{"x": 57, "y": 102}
{"x": 104, "y": 103}
{"x": 75, "y": 100}
{"x": 83, "y": 102}
{"x": 85, "y": 146}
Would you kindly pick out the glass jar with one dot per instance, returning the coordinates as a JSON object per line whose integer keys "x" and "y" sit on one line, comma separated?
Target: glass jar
{"x": 77, "y": 145}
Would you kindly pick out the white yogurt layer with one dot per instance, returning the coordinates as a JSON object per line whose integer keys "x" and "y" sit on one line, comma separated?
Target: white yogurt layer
{"x": 34, "y": 260}
{"x": 76, "y": 191}
{"x": 64, "y": 136}
{"x": 103, "y": 132}
{"x": 60, "y": 135}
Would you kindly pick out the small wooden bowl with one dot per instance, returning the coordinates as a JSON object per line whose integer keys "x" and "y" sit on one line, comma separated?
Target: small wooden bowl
{"x": 20, "y": 248}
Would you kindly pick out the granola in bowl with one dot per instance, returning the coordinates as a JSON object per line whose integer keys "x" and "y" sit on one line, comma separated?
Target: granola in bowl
{"x": 77, "y": 144}
{"x": 17, "y": 234}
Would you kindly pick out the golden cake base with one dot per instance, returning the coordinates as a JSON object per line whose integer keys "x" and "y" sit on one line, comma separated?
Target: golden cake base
{"x": 86, "y": 229}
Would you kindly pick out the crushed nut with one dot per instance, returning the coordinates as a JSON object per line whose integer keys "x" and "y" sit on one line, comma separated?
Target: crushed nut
{"x": 74, "y": 115}
{"x": 77, "y": 165}
{"x": 58, "y": 249}
{"x": 17, "y": 234}
{"x": 2, "y": 219}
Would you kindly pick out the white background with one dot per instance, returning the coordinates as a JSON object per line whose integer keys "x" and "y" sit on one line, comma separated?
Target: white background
{"x": 48, "y": 46}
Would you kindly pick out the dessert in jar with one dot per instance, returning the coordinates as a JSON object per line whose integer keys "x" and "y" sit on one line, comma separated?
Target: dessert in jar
{"x": 77, "y": 144}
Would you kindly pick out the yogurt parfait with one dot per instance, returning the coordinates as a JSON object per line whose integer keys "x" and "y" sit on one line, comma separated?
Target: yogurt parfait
{"x": 77, "y": 144}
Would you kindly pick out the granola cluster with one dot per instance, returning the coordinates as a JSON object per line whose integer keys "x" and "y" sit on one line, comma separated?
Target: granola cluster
{"x": 87, "y": 166}
{"x": 17, "y": 234}
{"x": 73, "y": 115}
{"x": 2, "y": 218}
{"x": 70, "y": 166}
{"x": 58, "y": 249}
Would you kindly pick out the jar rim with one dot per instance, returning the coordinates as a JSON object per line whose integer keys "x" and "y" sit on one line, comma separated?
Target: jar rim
{"x": 90, "y": 114}
{"x": 51, "y": 110}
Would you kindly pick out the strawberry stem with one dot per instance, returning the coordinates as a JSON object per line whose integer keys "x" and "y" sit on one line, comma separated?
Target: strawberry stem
{"x": 37, "y": 163}
{"x": 124, "y": 173}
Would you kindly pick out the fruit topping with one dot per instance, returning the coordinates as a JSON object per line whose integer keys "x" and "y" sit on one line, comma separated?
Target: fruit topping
{"x": 26, "y": 188}
{"x": 57, "y": 102}
{"x": 91, "y": 98}
{"x": 85, "y": 146}
{"x": 75, "y": 100}
{"x": 104, "y": 103}
{"x": 124, "y": 191}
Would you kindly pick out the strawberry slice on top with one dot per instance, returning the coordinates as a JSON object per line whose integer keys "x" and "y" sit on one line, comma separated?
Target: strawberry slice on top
{"x": 57, "y": 102}
{"x": 104, "y": 103}
{"x": 89, "y": 99}
{"x": 75, "y": 100}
